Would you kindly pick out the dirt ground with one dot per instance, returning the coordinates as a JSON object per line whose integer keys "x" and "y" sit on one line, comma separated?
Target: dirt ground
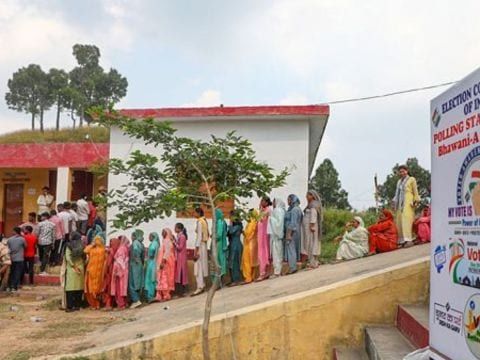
{"x": 32, "y": 325}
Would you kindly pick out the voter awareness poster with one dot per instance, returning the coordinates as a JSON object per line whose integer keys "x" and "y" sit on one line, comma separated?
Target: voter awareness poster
{"x": 455, "y": 265}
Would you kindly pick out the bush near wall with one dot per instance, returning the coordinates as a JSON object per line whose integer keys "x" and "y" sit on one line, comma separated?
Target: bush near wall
{"x": 334, "y": 221}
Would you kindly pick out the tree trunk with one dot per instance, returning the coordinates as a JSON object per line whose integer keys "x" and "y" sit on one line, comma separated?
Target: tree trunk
{"x": 57, "y": 124}
{"x": 41, "y": 120}
{"x": 33, "y": 121}
{"x": 80, "y": 123}
{"x": 215, "y": 284}
{"x": 73, "y": 118}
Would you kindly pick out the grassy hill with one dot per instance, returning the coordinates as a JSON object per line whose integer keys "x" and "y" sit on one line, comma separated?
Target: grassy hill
{"x": 84, "y": 134}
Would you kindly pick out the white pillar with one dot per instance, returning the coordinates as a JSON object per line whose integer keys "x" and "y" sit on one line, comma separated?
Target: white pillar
{"x": 63, "y": 185}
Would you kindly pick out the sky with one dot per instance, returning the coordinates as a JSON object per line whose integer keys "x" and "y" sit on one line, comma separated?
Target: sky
{"x": 255, "y": 52}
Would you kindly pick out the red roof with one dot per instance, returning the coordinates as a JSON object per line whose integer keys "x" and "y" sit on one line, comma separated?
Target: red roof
{"x": 229, "y": 111}
{"x": 52, "y": 155}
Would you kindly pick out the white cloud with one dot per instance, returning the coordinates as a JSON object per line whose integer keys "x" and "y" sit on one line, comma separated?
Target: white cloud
{"x": 206, "y": 99}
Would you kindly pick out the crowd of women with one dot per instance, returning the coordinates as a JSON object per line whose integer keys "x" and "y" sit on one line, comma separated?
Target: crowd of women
{"x": 128, "y": 272}
{"x": 276, "y": 233}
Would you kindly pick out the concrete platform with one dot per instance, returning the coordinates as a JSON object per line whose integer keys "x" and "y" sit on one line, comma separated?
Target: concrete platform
{"x": 162, "y": 316}
{"x": 163, "y": 319}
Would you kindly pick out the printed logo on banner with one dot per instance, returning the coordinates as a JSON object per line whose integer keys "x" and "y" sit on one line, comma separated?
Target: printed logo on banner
{"x": 471, "y": 318}
{"x": 436, "y": 117}
{"x": 440, "y": 257}
{"x": 448, "y": 318}
{"x": 464, "y": 265}
{"x": 468, "y": 183}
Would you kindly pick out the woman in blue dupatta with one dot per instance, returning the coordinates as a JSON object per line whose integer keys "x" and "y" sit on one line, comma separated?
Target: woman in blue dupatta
{"x": 151, "y": 267}
{"x": 222, "y": 244}
{"x": 235, "y": 230}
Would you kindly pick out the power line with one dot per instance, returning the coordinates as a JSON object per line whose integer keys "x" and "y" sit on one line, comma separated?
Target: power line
{"x": 389, "y": 94}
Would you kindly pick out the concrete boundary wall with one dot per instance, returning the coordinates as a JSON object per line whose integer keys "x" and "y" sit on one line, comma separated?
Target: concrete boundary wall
{"x": 304, "y": 325}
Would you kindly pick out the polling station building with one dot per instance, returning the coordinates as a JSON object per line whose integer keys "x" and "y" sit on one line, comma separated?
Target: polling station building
{"x": 282, "y": 136}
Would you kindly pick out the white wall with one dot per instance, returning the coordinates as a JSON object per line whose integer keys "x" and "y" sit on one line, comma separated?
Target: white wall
{"x": 280, "y": 143}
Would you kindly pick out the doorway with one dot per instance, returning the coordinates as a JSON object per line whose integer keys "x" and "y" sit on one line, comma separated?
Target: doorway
{"x": 82, "y": 184}
{"x": 13, "y": 207}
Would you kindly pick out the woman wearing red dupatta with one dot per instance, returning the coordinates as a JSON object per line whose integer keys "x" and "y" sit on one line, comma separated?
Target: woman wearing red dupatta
{"x": 108, "y": 299}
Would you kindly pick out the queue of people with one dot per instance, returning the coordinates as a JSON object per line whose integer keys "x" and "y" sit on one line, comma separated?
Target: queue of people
{"x": 127, "y": 273}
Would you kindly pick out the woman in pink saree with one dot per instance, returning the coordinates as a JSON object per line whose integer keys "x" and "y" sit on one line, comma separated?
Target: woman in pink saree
{"x": 119, "y": 285}
{"x": 422, "y": 225}
{"x": 166, "y": 266}
{"x": 263, "y": 237}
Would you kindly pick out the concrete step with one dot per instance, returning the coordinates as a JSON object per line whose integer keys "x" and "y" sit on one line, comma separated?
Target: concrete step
{"x": 412, "y": 321}
{"x": 386, "y": 343}
{"x": 344, "y": 353}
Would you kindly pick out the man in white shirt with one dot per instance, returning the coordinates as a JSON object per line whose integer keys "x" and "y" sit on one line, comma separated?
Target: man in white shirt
{"x": 67, "y": 220}
{"x": 45, "y": 201}
{"x": 83, "y": 211}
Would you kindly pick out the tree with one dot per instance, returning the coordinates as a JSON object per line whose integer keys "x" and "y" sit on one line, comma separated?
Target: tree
{"x": 58, "y": 85}
{"x": 28, "y": 92}
{"x": 386, "y": 191}
{"x": 90, "y": 85}
{"x": 187, "y": 174}
{"x": 326, "y": 183}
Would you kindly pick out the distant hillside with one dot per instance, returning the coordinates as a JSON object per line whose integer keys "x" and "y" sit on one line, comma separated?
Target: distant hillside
{"x": 84, "y": 134}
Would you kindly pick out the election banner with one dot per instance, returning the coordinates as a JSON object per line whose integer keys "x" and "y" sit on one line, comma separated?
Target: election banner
{"x": 455, "y": 265}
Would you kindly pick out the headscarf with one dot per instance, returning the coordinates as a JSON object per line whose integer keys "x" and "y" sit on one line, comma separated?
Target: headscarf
{"x": 154, "y": 237}
{"x": 277, "y": 218}
{"x": 388, "y": 214}
{"x": 75, "y": 245}
{"x": 138, "y": 235}
{"x": 124, "y": 240}
{"x": 295, "y": 201}
{"x": 99, "y": 234}
{"x": 169, "y": 234}
{"x": 114, "y": 244}
{"x": 220, "y": 221}
{"x": 360, "y": 221}
{"x": 317, "y": 205}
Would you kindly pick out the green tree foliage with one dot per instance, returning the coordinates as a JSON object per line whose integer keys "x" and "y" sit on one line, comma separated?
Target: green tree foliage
{"x": 386, "y": 191}
{"x": 28, "y": 91}
{"x": 58, "y": 83}
{"x": 188, "y": 173}
{"x": 32, "y": 91}
{"x": 327, "y": 184}
{"x": 90, "y": 85}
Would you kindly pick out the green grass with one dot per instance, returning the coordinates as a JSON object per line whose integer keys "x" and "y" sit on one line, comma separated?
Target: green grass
{"x": 52, "y": 304}
{"x": 334, "y": 221}
{"x": 21, "y": 355}
{"x": 95, "y": 133}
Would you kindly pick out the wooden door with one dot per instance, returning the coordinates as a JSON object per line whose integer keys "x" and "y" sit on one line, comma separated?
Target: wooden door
{"x": 82, "y": 184}
{"x": 12, "y": 207}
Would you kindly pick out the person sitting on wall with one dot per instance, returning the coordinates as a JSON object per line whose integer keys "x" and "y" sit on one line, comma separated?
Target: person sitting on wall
{"x": 45, "y": 201}
{"x": 354, "y": 243}
{"x": 383, "y": 235}
{"x": 422, "y": 226}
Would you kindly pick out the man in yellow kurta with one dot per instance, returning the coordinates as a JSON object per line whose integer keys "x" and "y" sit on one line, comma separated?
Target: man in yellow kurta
{"x": 405, "y": 200}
